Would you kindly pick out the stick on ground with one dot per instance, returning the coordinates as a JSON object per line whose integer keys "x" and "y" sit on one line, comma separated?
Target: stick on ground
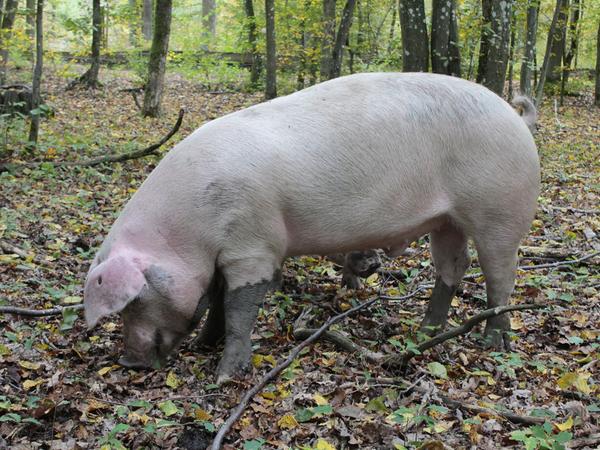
{"x": 37, "y": 312}
{"x": 402, "y": 359}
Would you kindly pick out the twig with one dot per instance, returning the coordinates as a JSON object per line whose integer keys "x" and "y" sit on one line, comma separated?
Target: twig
{"x": 588, "y": 442}
{"x": 559, "y": 263}
{"x": 402, "y": 359}
{"x": 341, "y": 341}
{"x": 151, "y": 150}
{"x": 130, "y": 155}
{"x": 576, "y": 210}
{"x": 11, "y": 249}
{"x": 238, "y": 410}
{"x": 512, "y": 417}
{"x": 37, "y": 312}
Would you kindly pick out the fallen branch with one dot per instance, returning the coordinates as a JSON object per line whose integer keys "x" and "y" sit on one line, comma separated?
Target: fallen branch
{"x": 452, "y": 403}
{"x": 14, "y": 250}
{"x": 341, "y": 341}
{"x": 402, "y": 359}
{"x": 37, "y": 312}
{"x": 150, "y": 150}
{"x": 576, "y": 210}
{"x": 559, "y": 263}
{"x": 238, "y": 410}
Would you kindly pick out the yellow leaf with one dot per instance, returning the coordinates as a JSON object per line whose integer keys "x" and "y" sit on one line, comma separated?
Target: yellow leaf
{"x": 94, "y": 404}
{"x": 29, "y": 365}
{"x": 105, "y": 370}
{"x": 320, "y": 400}
{"x": 578, "y": 380}
{"x": 202, "y": 415}
{"x": 565, "y": 425}
{"x": 287, "y": 422}
{"x": 537, "y": 223}
{"x": 322, "y": 444}
{"x": 172, "y": 380}
{"x": 257, "y": 359}
{"x": 516, "y": 323}
{"x": 268, "y": 395}
{"x": 29, "y": 384}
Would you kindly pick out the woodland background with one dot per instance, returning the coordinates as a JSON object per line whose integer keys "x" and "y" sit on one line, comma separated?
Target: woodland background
{"x": 89, "y": 89}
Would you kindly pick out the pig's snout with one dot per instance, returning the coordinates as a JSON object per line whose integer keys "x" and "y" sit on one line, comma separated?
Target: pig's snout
{"x": 135, "y": 363}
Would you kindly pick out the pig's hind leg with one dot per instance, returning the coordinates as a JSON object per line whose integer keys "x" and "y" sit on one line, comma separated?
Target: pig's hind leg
{"x": 451, "y": 259}
{"x": 213, "y": 330}
{"x": 498, "y": 259}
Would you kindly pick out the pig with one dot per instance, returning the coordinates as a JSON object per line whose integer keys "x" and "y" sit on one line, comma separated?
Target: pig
{"x": 372, "y": 160}
{"x": 356, "y": 265}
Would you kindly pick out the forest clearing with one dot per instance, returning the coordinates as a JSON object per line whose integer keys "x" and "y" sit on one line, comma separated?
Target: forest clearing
{"x": 62, "y": 387}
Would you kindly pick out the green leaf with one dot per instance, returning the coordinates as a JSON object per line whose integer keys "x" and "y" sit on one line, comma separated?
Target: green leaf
{"x": 69, "y": 317}
{"x": 10, "y": 417}
{"x": 322, "y": 409}
{"x": 140, "y": 404}
{"x": 437, "y": 370}
{"x": 518, "y": 435}
{"x": 254, "y": 444}
{"x": 377, "y": 405}
{"x": 304, "y": 415}
{"x": 165, "y": 423}
{"x": 168, "y": 408}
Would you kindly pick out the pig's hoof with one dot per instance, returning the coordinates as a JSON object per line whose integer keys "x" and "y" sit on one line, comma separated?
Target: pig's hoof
{"x": 351, "y": 282}
{"x": 432, "y": 325}
{"x": 497, "y": 340}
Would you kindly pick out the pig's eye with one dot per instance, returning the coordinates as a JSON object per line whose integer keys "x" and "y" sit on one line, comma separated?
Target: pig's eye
{"x": 99, "y": 281}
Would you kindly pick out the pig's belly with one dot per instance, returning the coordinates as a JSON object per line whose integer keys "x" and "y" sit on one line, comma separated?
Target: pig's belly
{"x": 319, "y": 232}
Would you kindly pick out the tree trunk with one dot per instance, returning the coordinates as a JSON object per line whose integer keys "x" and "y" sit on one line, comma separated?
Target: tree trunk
{"x": 256, "y": 68}
{"x": 549, "y": 43}
{"x": 133, "y": 22}
{"x": 303, "y": 63}
{"x": 30, "y": 19}
{"x": 158, "y": 59}
{"x": 209, "y": 23}
{"x": 341, "y": 38}
{"x": 445, "y": 53}
{"x": 147, "y": 19}
{"x": 454, "y": 68}
{"x": 486, "y": 18}
{"x": 495, "y": 38}
{"x": 529, "y": 51}
{"x": 392, "y": 29}
{"x": 597, "y": 102}
{"x": 558, "y": 43}
{"x": 1, "y": 10}
{"x": 328, "y": 38}
{"x": 8, "y": 20}
{"x": 511, "y": 55}
{"x": 90, "y": 78}
{"x": 415, "y": 45}
{"x": 574, "y": 34}
{"x": 440, "y": 36}
{"x": 37, "y": 73}
{"x": 271, "y": 85}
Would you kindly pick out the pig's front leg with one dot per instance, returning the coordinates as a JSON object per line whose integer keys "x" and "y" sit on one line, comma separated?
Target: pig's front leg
{"x": 213, "y": 330}
{"x": 241, "y": 306}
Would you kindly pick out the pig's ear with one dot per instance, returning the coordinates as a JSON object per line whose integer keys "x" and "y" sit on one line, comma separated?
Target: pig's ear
{"x": 111, "y": 286}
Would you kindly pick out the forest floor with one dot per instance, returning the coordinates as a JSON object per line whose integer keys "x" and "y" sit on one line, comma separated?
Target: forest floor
{"x": 61, "y": 388}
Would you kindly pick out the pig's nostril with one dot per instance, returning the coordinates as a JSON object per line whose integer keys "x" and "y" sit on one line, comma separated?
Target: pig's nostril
{"x": 99, "y": 281}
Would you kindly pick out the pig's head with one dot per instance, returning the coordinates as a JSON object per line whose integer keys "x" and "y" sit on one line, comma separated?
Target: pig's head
{"x": 159, "y": 305}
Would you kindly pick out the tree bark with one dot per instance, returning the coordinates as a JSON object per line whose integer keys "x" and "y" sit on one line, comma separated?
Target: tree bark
{"x": 495, "y": 38}
{"x": 271, "y": 85}
{"x": 133, "y": 22}
{"x": 529, "y": 51}
{"x": 209, "y": 23}
{"x": 549, "y": 43}
{"x": 574, "y": 34}
{"x": 158, "y": 59}
{"x": 415, "y": 45}
{"x": 37, "y": 72}
{"x": 341, "y": 38}
{"x": 8, "y": 20}
{"x": 511, "y": 55}
{"x": 256, "y": 68}
{"x": 30, "y": 19}
{"x": 328, "y": 38}
{"x": 147, "y": 21}
{"x": 558, "y": 43}
{"x": 454, "y": 67}
{"x": 445, "y": 53}
{"x": 597, "y": 102}
{"x": 90, "y": 78}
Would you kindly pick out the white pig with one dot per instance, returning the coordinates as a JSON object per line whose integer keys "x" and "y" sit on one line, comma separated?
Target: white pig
{"x": 371, "y": 160}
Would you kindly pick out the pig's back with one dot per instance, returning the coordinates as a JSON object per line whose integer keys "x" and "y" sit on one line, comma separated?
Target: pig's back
{"x": 402, "y": 148}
